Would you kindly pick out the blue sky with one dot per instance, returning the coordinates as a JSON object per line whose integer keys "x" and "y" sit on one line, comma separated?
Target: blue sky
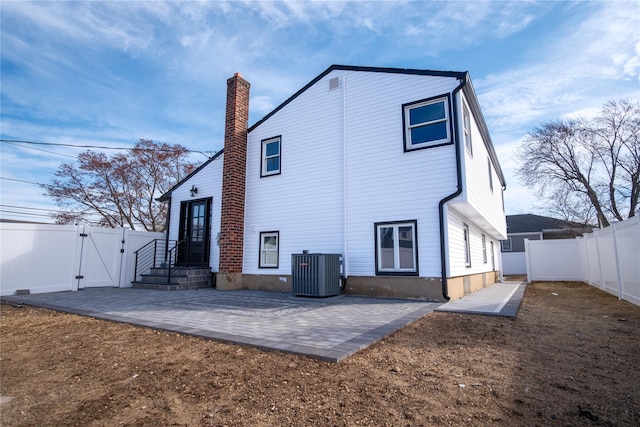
{"x": 108, "y": 73}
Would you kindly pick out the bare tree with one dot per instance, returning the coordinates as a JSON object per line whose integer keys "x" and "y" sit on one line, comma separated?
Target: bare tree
{"x": 120, "y": 189}
{"x": 586, "y": 165}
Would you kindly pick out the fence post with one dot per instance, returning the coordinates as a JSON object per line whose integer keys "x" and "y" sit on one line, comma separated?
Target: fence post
{"x": 598, "y": 251}
{"x": 587, "y": 263}
{"x": 527, "y": 254}
{"x": 617, "y": 258}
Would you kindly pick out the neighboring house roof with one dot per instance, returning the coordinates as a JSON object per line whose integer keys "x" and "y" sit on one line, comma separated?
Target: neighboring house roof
{"x": 463, "y": 76}
{"x": 526, "y": 223}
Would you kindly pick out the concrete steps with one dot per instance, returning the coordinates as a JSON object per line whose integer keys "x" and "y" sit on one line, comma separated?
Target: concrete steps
{"x": 181, "y": 278}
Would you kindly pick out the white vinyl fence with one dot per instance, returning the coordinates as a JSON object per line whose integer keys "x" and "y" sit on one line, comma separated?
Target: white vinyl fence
{"x": 52, "y": 258}
{"x": 608, "y": 259}
{"x": 513, "y": 263}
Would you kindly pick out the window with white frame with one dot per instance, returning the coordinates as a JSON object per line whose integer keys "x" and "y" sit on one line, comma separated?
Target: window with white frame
{"x": 506, "y": 245}
{"x": 466, "y": 129}
{"x": 484, "y": 249}
{"x": 467, "y": 246}
{"x": 270, "y": 164}
{"x": 269, "y": 247}
{"x": 396, "y": 248}
{"x": 490, "y": 173}
{"x": 426, "y": 123}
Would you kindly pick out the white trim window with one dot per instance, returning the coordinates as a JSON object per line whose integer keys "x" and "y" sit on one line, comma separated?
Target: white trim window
{"x": 484, "y": 248}
{"x": 506, "y": 245}
{"x": 426, "y": 124}
{"x": 466, "y": 129}
{"x": 467, "y": 246}
{"x": 396, "y": 248}
{"x": 269, "y": 248}
{"x": 490, "y": 174}
{"x": 270, "y": 163}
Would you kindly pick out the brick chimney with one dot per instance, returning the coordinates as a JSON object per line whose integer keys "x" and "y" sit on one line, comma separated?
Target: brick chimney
{"x": 233, "y": 184}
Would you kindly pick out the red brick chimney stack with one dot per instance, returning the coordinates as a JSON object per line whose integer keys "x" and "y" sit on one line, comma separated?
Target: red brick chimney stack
{"x": 233, "y": 184}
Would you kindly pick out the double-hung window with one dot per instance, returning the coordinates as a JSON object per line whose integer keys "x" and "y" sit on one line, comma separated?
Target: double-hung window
{"x": 269, "y": 247}
{"x": 466, "y": 123}
{"x": 467, "y": 246}
{"x": 426, "y": 123}
{"x": 484, "y": 249}
{"x": 490, "y": 173}
{"x": 396, "y": 248}
{"x": 270, "y": 164}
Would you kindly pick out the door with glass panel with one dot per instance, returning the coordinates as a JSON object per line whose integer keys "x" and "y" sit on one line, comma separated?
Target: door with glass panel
{"x": 195, "y": 233}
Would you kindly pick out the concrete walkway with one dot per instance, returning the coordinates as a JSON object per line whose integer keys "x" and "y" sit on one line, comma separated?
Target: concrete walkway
{"x": 324, "y": 328}
{"x": 500, "y": 299}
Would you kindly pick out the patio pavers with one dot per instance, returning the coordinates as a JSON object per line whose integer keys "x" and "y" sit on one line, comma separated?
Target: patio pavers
{"x": 330, "y": 328}
{"x": 325, "y": 328}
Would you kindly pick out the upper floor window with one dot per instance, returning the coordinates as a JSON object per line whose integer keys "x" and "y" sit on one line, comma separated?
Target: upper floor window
{"x": 270, "y": 164}
{"x": 426, "y": 123}
{"x": 466, "y": 123}
{"x": 490, "y": 174}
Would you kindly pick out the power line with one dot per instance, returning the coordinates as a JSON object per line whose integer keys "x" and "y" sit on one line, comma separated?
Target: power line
{"x": 39, "y": 149}
{"x": 25, "y": 213}
{"x": 35, "y": 209}
{"x": 102, "y": 147}
{"x": 22, "y": 180}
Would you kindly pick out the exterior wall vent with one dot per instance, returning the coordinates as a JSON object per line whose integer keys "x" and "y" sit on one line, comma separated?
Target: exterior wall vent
{"x": 315, "y": 275}
{"x": 334, "y": 83}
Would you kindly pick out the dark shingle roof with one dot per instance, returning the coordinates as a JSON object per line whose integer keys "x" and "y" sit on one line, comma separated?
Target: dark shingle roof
{"x": 535, "y": 223}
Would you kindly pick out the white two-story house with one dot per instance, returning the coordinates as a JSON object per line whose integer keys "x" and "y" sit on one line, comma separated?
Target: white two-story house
{"x": 393, "y": 169}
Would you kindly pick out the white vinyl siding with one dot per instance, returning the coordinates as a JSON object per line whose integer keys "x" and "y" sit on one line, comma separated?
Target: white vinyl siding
{"x": 482, "y": 192}
{"x": 383, "y": 183}
{"x": 457, "y": 247}
{"x": 208, "y": 181}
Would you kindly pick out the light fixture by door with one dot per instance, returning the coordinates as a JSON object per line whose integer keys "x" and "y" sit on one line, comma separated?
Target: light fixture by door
{"x": 194, "y": 190}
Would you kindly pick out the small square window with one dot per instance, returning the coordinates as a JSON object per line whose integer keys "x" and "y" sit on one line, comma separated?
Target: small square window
{"x": 426, "y": 124}
{"x": 270, "y": 164}
{"x": 269, "y": 248}
{"x": 396, "y": 248}
{"x": 506, "y": 245}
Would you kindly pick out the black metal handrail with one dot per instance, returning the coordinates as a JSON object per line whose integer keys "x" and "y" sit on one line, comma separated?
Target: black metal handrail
{"x": 152, "y": 255}
{"x": 179, "y": 254}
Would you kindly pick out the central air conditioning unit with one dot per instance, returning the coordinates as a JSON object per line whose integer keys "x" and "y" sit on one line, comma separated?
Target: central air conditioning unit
{"x": 315, "y": 275}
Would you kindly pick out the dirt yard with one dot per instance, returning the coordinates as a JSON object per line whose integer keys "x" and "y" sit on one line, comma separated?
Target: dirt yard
{"x": 572, "y": 357}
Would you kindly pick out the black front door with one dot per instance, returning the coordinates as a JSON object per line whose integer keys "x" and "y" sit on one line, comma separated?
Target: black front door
{"x": 195, "y": 230}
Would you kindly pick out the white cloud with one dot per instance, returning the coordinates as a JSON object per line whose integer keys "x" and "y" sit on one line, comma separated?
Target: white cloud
{"x": 262, "y": 104}
{"x": 569, "y": 73}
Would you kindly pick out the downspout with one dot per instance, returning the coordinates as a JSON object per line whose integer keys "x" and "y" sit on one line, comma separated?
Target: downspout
{"x": 168, "y": 229}
{"x": 345, "y": 272}
{"x": 443, "y": 259}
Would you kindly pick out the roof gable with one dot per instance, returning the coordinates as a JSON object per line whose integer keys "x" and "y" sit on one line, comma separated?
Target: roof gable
{"x": 454, "y": 74}
{"x": 166, "y": 196}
